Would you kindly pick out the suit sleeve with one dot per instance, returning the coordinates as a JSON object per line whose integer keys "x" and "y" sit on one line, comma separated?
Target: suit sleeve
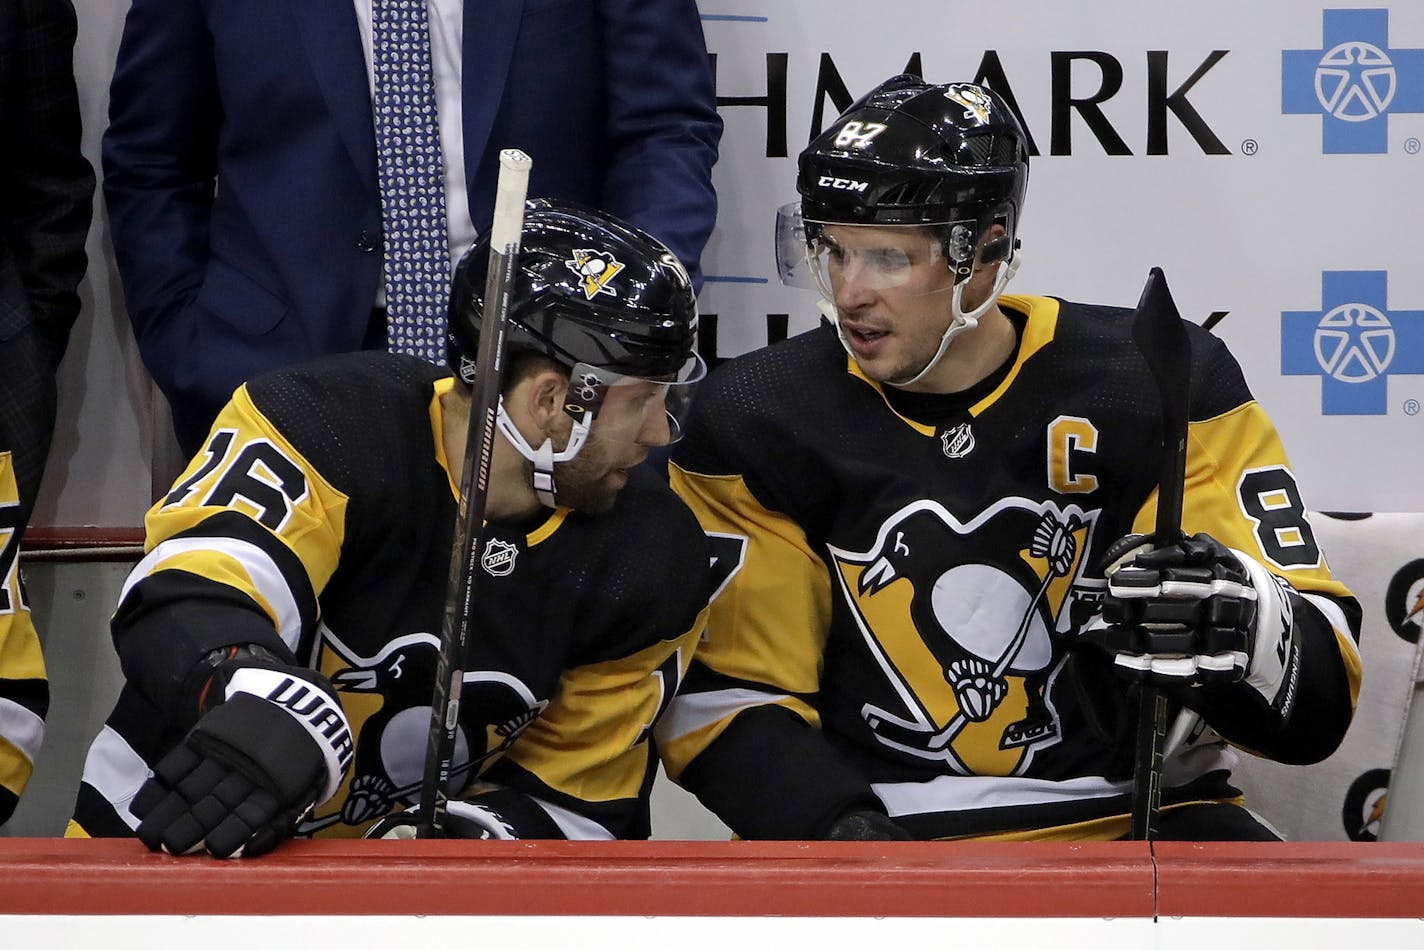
{"x": 47, "y": 184}
{"x": 662, "y": 123}
{"x": 1241, "y": 490}
{"x": 160, "y": 162}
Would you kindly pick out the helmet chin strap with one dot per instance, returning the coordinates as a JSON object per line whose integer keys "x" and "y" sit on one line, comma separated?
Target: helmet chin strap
{"x": 544, "y": 457}
{"x": 962, "y": 321}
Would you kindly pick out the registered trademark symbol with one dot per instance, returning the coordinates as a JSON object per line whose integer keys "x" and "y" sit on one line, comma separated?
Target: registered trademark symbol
{"x": 1411, "y": 407}
{"x": 1411, "y": 145}
{"x": 1251, "y": 147}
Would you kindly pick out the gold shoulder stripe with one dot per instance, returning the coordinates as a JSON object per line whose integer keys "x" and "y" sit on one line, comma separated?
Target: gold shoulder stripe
{"x": 1042, "y": 313}
{"x": 1042, "y": 324}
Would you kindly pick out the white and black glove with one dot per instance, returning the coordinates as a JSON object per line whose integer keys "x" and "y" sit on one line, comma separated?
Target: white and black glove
{"x": 462, "y": 820}
{"x": 1197, "y": 613}
{"x": 277, "y": 744}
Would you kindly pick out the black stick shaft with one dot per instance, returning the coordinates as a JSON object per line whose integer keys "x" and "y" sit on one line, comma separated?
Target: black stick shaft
{"x": 456, "y": 630}
{"x": 1158, "y": 332}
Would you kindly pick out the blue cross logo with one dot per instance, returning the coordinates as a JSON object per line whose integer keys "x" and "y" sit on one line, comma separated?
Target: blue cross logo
{"x": 1353, "y": 342}
{"x": 1354, "y": 81}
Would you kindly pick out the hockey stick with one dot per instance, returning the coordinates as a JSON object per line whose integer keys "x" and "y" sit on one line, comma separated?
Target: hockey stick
{"x": 1158, "y": 332}
{"x": 505, "y": 233}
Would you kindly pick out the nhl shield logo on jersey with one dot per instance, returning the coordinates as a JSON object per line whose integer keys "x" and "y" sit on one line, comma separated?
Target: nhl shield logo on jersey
{"x": 498, "y": 559}
{"x": 596, "y": 270}
{"x": 958, "y": 441}
{"x": 967, "y": 643}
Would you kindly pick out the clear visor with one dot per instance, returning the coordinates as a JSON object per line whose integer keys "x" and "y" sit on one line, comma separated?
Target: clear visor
{"x": 877, "y": 256}
{"x": 617, "y": 401}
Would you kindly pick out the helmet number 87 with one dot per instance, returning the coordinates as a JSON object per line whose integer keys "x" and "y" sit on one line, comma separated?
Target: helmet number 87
{"x": 858, "y": 134}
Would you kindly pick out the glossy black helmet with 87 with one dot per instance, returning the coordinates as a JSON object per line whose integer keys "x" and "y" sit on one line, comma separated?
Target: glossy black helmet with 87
{"x": 589, "y": 290}
{"x": 916, "y": 153}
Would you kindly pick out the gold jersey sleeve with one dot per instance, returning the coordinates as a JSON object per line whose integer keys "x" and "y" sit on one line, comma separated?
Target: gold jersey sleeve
{"x": 249, "y": 469}
{"x": 767, "y": 623}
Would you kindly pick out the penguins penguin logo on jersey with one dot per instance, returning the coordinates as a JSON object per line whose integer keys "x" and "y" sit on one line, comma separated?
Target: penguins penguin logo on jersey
{"x": 387, "y": 699}
{"x": 961, "y": 618}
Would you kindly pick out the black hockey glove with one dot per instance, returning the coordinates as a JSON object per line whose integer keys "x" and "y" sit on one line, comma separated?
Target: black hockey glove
{"x": 865, "y": 825}
{"x": 462, "y": 820}
{"x": 1197, "y": 613}
{"x": 251, "y": 768}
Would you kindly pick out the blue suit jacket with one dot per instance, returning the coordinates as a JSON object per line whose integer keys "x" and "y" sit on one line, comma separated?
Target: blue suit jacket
{"x": 240, "y": 169}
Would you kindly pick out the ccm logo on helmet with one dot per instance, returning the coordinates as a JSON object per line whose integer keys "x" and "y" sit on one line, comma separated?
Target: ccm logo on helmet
{"x": 842, "y": 184}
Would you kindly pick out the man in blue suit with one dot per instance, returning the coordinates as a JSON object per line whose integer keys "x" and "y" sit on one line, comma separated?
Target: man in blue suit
{"x": 240, "y": 161}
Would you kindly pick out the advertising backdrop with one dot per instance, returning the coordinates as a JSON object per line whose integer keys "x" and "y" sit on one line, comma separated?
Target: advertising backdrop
{"x": 1267, "y": 155}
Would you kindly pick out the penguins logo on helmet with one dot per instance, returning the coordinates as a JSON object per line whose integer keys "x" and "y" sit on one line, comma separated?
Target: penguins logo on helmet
{"x": 976, "y": 104}
{"x": 596, "y": 270}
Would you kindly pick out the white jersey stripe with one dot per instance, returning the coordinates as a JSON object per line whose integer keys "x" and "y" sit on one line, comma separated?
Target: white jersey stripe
{"x": 960, "y": 793}
{"x": 114, "y": 770}
{"x": 261, "y": 570}
{"x": 574, "y": 826}
{"x": 21, "y": 728}
{"x": 689, "y": 712}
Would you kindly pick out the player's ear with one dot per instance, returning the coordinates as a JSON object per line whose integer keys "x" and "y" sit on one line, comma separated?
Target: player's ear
{"x": 993, "y": 246}
{"x": 544, "y": 397}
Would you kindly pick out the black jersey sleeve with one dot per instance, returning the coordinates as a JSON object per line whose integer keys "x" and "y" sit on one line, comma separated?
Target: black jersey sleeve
{"x": 1320, "y": 715}
{"x": 770, "y": 775}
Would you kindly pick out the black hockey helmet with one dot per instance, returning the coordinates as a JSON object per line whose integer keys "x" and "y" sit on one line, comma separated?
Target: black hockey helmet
{"x": 949, "y": 158}
{"x": 589, "y": 290}
{"x": 912, "y": 152}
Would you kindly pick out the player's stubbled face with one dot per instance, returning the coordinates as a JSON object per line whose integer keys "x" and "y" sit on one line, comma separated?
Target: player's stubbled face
{"x": 631, "y": 421}
{"x": 892, "y": 292}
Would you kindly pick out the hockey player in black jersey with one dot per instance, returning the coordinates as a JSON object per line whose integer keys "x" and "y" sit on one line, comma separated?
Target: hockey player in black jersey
{"x": 927, "y": 619}
{"x": 278, "y": 640}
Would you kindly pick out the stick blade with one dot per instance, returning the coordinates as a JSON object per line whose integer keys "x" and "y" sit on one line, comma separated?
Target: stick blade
{"x": 1161, "y": 336}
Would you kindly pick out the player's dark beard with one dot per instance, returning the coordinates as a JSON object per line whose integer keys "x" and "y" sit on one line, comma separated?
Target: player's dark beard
{"x": 581, "y": 482}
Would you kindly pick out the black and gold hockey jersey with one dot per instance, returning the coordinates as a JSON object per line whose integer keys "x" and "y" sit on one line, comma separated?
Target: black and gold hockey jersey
{"x": 320, "y": 514}
{"x": 24, "y": 689}
{"x": 908, "y": 573}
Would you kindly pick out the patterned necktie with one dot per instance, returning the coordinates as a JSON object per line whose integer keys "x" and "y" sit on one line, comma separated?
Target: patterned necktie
{"x": 411, "y": 179}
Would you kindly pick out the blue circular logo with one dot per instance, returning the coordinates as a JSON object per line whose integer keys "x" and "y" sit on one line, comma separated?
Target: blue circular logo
{"x": 1354, "y": 343}
{"x": 1355, "y": 81}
